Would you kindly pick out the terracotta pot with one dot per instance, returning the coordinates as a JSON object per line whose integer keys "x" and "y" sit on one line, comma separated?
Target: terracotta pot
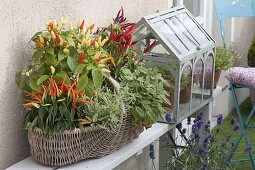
{"x": 216, "y": 78}
{"x": 171, "y": 99}
{"x": 208, "y": 79}
{"x": 185, "y": 95}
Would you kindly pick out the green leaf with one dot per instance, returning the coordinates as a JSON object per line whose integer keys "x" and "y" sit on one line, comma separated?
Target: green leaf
{"x": 89, "y": 89}
{"x": 34, "y": 86}
{"x": 41, "y": 113}
{"x": 34, "y": 122}
{"x": 139, "y": 111}
{"x": 39, "y": 72}
{"x": 166, "y": 100}
{"x": 37, "y": 55}
{"x": 34, "y": 36}
{"x": 51, "y": 59}
{"x": 152, "y": 115}
{"x": 79, "y": 69}
{"x": 97, "y": 78}
{"x": 61, "y": 56}
{"x": 62, "y": 75}
{"x": 72, "y": 63}
{"x": 70, "y": 41}
{"x": 82, "y": 82}
{"x": 42, "y": 79}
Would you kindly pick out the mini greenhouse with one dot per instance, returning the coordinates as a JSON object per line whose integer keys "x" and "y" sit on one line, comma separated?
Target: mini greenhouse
{"x": 186, "y": 53}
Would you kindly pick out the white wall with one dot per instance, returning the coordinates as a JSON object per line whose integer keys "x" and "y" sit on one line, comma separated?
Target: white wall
{"x": 19, "y": 20}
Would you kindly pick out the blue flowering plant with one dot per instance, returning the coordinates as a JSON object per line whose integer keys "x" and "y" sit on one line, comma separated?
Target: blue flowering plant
{"x": 199, "y": 147}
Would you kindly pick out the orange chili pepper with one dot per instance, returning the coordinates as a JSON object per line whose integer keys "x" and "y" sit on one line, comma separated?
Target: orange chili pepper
{"x": 82, "y": 25}
{"x": 81, "y": 59}
{"x": 85, "y": 101}
{"x": 38, "y": 42}
{"x": 51, "y": 25}
{"x": 53, "y": 91}
{"x": 104, "y": 60}
{"x": 90, "y": 27}
{"x": 92, "y": 43}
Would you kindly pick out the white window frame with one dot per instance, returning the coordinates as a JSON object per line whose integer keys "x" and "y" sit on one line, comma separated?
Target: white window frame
{"x": 205, "y": 12}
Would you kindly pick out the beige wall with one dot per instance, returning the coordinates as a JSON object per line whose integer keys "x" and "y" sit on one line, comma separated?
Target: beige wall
{"x": 19, "y": 20}
{"x": 243, "y": 31}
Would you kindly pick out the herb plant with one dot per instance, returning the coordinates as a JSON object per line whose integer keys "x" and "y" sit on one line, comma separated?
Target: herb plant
{"x": 225, "y": 57}
{"x": 251, "y": 54}
{"x": 145, "y": 92}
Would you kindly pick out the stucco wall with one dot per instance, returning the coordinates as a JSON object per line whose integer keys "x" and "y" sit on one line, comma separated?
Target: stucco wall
{"x": 19, "y": 20}
{"x": 243, "y": 31}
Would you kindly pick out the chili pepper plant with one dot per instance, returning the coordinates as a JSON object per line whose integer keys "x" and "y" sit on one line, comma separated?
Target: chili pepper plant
{"x": 65, "y": 85}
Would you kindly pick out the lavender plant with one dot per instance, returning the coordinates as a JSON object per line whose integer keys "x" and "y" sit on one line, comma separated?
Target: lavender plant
{"x": 200, "y": 149}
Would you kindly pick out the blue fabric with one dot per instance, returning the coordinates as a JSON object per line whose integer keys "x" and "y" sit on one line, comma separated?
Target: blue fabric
{"x": 233, "y": 8}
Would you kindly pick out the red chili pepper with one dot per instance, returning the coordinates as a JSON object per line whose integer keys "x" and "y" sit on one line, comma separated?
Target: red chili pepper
{"x": 57, "y": 36}
{"x": 149, "y": 46}
{"x": 54, "y": 47}
{"x": 82, "y": 25}
{"x": 81, "y": 59}
{"x": 130, "y": 30}
{"x": 111, "y": 34}
{"x": 98, "y": 59}
{"x": 129, "y": 41}
{"x": 92, "y": 43}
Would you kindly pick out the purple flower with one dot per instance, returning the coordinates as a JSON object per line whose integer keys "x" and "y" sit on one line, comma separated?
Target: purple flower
{"x": 151, "y": 153}
{"x": 236, "y": 126}
{"x": 168, "y": 117}
{"x": 206, "y": 140}
{"x": 247, "y": 149}
{"x": 189, "y": 120}
{"x": 179, "y": 126}
{"x": 233, "y": 121}
{"x": 194, "y": 129}
{"x": 219, "y": 119}
{"x": 223, "y": 144}
{"x": 212, "y": 139}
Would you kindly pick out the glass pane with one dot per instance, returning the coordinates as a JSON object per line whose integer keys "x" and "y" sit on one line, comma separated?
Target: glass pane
{"x": 193, "y": 29}
{"x": 182, "y": 33}
{"x": 185, "y": 93}
{"x": 166, "y": 32}
{"x": 193, "y": 6}
{"x": 208, "y": 80}
{"x": 197, "y": 83}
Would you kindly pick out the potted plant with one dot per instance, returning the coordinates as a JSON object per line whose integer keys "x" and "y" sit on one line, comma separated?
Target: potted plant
{"x": 251, "y": 63}
{"x": 72, "y": 99}
{"x": 224, "y": 59}
{"x": 185, "y": 93}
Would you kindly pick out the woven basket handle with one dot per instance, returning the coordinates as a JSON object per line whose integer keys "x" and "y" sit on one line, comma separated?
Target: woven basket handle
{"x": 117, "y": 87}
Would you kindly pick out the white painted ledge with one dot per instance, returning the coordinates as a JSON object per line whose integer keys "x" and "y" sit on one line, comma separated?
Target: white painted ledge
{"x": 113, "y": 160}
{"x": 105, "y": 163}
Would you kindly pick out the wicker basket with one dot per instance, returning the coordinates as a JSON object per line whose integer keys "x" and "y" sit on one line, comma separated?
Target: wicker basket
{"x": 72, "y": 146}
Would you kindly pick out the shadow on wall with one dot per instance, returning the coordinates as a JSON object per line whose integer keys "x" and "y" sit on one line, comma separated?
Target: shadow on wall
{"x": 13, "y": 139}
